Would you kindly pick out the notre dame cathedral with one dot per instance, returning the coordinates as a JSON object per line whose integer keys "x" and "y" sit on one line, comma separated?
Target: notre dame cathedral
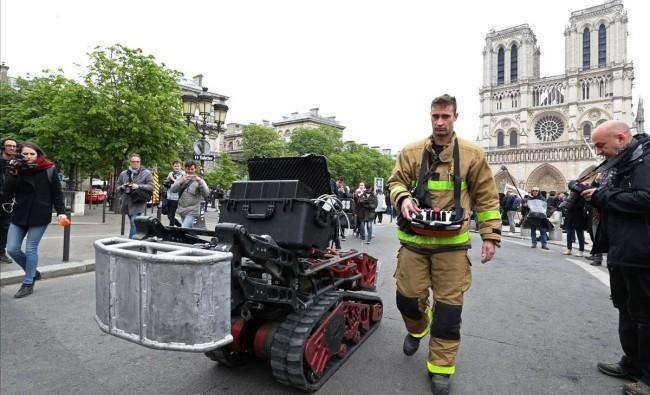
{"x": 540, "y": 127}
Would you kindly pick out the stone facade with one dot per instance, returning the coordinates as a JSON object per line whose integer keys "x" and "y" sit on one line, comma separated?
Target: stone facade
{"x": 540, "y": 127}
{"x": 309, "y": 119}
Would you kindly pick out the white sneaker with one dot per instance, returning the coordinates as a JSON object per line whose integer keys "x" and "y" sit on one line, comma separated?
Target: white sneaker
{"x": 567, "y": 252}
{"x": 579, "y": 253}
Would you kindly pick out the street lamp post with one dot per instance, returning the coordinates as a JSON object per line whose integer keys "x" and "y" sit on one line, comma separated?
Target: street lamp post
{"x": 202, "y": 103}
{"x": 212, "y": 117}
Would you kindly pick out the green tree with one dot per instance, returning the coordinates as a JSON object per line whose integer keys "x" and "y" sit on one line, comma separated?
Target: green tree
{"x": 53, "y": 112}
{"x": 324, "y": 140}
{"x": 360, "y": 164}
{"x": 262, "y": 141}
{"x": 137, "y": 107}
{"x": 224, "y": 175}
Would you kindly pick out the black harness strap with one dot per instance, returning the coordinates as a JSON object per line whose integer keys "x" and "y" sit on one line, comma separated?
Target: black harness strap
{"x": 458, "y": 208}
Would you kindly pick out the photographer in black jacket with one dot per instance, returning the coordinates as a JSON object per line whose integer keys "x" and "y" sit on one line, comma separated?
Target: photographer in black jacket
{"x": 623, "y": 200}
{"x": 8, "y": 146}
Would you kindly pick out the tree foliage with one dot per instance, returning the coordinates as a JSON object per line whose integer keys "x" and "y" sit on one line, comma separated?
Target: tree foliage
{"x": 224, "y": 175}
{"x": 360, "y": 164}
{"x": 126, "y": 103}
{"x": 262, "y": 141}
{"x": 137, "y": 106}
{"x": 324, "y": 140}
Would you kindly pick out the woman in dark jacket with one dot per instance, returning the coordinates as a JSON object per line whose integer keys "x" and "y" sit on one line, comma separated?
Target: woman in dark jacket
{"x": 34, "y": 188}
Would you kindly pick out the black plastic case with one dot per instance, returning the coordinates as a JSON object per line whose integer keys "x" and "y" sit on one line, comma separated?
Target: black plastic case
{"x": 311, "y": 170}
{"x": 292, "y": 223}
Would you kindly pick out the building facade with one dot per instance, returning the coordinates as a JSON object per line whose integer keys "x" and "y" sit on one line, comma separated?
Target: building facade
{"x": 311, "y": 119}
{"x": 232, "y": 141}
{"x": 539, "y": 128}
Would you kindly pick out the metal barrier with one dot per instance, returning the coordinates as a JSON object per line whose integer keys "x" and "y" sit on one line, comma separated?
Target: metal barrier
{"x": 163, "y": 296}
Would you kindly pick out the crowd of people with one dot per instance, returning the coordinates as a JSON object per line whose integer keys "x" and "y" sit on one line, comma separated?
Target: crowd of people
{"x": 361, "y": 209}
{"x": 535, "y": 210}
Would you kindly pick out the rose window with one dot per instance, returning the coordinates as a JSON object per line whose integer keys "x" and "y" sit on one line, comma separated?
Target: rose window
{"x": 549, "y": 128}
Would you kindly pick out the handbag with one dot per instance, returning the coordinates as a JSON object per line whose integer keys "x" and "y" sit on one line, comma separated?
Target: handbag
{"x": 140, "y": 195}
{"x": 164, "y": 208}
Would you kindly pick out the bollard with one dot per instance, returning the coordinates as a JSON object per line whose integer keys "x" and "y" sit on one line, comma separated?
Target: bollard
{"x": 122, "y": 226}
{"x": 104, "y": 211}
{"x": 66, "y": 237}
{"x": 158, "y": 213}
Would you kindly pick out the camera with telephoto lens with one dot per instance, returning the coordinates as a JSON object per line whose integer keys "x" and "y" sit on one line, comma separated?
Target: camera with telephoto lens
{"x": 19, "y": 163}
{"x": 575, "y": 190}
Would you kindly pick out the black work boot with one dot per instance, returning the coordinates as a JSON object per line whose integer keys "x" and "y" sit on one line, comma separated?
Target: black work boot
{"x": 24, "y": 290}
{"x": 411, "y": 345}
{"x": 616, "y": 370}
{"x": 638, "y": 388}
{"x": 440, "y": 384}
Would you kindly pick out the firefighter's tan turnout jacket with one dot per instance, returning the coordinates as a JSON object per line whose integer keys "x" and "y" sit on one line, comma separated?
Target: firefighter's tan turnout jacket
{"x": 478, "y": 190}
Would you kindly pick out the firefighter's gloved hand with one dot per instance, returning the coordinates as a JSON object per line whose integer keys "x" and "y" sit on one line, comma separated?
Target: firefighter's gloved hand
{"x": 408, "y": 207}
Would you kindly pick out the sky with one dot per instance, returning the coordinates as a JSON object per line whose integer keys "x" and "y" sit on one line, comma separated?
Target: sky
{"x": 375, "y": 65}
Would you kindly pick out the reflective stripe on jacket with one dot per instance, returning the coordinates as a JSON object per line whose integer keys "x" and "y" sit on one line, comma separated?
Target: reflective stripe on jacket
{"x": 478, "y": 189}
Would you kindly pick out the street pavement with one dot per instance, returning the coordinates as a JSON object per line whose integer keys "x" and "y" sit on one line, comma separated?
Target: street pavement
{"x": 534, "y": 322}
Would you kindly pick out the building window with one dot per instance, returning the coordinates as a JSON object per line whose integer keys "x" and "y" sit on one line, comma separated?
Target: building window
{"x": 585, "y": 89}
{"x": 586, "y": 53}
{"x": 500, "y": 67}
{"x": 586, "y": 131}
{"x": 513, "y": 138}
{"x": 602, "y": 46}
{"x": 500, "y": 139}
{"x": 513, "y": 63}
{"x": 549, "y": 128}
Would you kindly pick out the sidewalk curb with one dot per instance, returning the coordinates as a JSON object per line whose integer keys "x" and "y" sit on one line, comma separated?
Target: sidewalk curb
{"x": 50, "y": 271}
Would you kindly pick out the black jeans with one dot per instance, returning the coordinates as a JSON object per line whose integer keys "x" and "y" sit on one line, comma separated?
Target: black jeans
{"x": 172, "y": 205}
{"x": 630, "y": 288}
{"x": 569, "y": 237}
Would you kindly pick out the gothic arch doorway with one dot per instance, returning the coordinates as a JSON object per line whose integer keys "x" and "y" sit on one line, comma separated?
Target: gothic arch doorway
{"x": 501, "y": 179}
{"x": 547, "y": 178}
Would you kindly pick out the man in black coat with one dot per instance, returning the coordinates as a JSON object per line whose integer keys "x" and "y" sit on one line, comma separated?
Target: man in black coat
{"x": 623, "y": 200}
{"x": 8, "y": 153}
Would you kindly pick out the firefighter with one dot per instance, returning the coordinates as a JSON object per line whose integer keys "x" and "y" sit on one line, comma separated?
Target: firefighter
{"x": 447, "y": 173}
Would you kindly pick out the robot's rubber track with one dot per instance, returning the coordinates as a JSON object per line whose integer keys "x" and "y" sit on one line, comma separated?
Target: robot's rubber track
{"x": 288, "y": 347}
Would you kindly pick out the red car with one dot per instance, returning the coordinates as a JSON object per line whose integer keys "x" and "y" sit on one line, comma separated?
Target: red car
{"x": 95, "y": 196}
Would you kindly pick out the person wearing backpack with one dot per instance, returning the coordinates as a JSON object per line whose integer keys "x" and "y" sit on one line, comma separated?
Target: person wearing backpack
{"x": 136, "y": 186}
{"x": 32, "y": 185}
{"x": 511, "y": 207}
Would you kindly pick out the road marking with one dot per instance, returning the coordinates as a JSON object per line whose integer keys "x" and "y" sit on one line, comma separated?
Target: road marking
{"x": 599, "y": 274}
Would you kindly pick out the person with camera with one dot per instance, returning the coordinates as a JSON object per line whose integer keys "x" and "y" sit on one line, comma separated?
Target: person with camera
{"x": 449, "y": 173}
{"x": 575, "y": 222}
{"x": 8, "y": 152}
{"x": 136, "y": 186}
{"x": 623, "y": 200}
{"x": 192, "y": 190}
{"x": 32, "y": 184}
{"x": 366, "y": 203}
{"x": 172, "y": 197}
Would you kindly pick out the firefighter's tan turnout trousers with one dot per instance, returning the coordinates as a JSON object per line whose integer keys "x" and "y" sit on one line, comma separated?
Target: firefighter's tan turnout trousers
{"x": 448, "y": 276}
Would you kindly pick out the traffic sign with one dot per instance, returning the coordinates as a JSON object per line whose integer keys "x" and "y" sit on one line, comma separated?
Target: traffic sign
{"x": 207, "y": 158}
{"x": 202, "y": 147}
